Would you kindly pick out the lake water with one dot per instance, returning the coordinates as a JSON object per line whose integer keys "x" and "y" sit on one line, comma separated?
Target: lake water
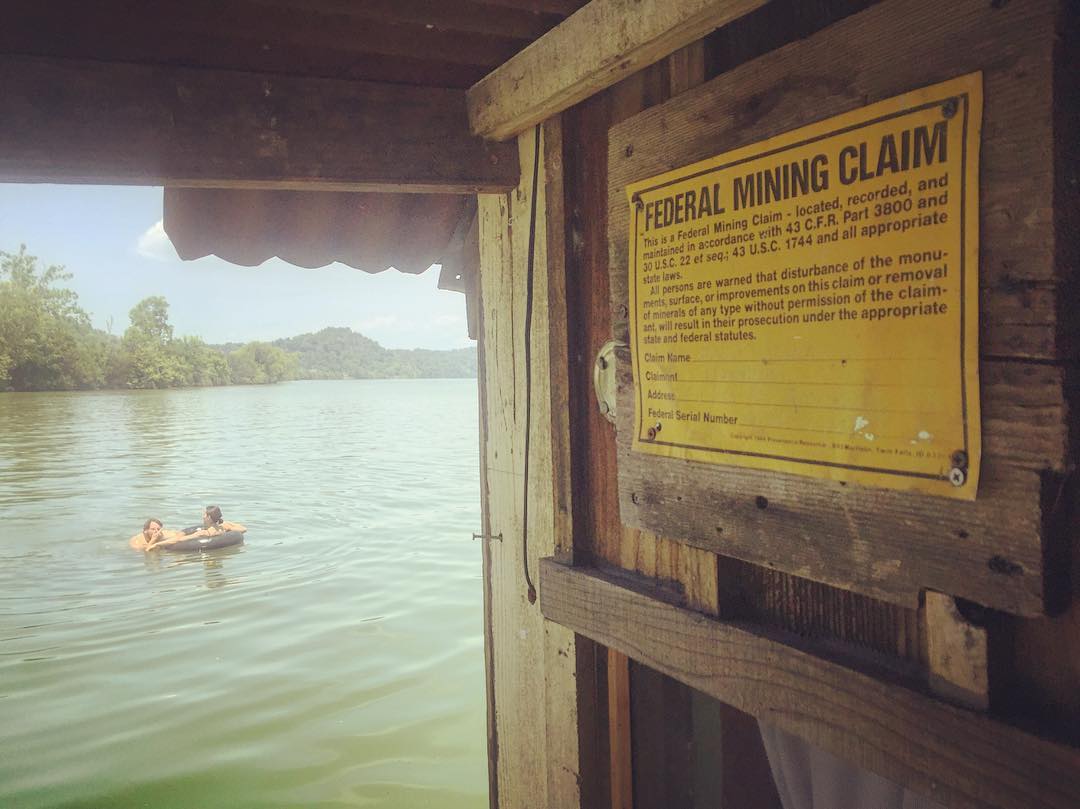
{"x": 336, "y": 659}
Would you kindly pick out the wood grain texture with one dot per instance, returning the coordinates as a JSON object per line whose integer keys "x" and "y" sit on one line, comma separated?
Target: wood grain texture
{"x": 558, "y": 351}
{"x": 563, "y": 7}
{"x": 200, "y": 32}
{"x": 604, "y": 42}
{"x": 619, "y": 731}
{"x": 959, "y": 758}
{"x": 772, "y": 598}
{"x": 460, "y": 15}
{"x": 91, "y": 122}
{"x": 889, "y": 545}
{"x": 570, "y": 701}
{"x": 491, "y": 724}
{"x": 534, "y": 662}
{"x": 956, "y": 654}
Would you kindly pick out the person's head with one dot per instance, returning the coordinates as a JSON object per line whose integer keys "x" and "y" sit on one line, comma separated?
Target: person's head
{"x": 151, "y": 527}
{"x": 212, "y": 516}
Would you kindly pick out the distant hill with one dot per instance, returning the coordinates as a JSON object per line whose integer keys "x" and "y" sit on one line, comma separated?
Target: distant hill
{"x": 341, "y": 353}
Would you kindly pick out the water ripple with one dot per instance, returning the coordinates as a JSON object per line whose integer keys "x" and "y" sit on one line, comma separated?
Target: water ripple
{"x": 334, "y": 659}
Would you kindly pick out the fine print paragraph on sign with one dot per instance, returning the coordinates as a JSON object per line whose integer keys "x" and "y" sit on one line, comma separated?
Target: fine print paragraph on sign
{"x": 809, "y": 303}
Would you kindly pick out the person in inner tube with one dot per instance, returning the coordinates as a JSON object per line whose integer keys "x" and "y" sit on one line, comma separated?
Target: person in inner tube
{"x": 213, "y": 523}
{"x": 151, "y": 533}
{"x": 154, "y": 535}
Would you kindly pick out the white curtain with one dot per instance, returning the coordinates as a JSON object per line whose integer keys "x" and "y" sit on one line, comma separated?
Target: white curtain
{"x": 809, "y": 778}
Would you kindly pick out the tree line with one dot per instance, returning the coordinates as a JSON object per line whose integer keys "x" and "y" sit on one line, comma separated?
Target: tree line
{"x": 47, "y": 343}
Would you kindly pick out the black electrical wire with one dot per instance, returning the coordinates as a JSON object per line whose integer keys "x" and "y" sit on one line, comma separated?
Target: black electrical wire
{"x": 528, "y": 365}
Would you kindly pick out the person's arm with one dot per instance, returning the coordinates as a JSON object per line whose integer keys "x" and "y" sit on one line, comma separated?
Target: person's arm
{"x": 172, "y": 537}
{"x": 233, "y": 526}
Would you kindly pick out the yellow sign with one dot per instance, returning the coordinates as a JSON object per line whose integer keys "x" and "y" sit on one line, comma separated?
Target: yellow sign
{"x": 809, "y": 303}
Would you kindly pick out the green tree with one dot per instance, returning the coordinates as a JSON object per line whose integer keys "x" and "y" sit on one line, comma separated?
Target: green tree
{"x": 150, "y": 321}
{"x": 148, "y": 342}
{"x": 201, "y": 364}
{"x": 259, "y": 363}
{"x": 46, "y": 341}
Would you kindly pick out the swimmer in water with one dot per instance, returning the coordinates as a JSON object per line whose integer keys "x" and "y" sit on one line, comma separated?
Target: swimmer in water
{"x": 152, "y": 531}
{"x": 214, "y": 524}
{"x": 154, "y": 536}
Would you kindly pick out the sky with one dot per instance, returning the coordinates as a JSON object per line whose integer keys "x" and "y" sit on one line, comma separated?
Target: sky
{"x": 112, "y": 242}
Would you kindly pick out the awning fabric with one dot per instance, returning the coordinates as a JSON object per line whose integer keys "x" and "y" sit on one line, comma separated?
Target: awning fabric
{"x": 370, "y": 232}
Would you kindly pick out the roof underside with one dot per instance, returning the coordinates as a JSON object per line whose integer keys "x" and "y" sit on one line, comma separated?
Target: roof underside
{"x": 147, "y": 119}
{"x": 434, "y": 43}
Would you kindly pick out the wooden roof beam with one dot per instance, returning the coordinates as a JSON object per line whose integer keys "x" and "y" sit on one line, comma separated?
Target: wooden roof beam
{"x": 602, "y": 43}
{"x": 99, "y": 122}
{"x": 470, "y": 16}
{"x": 564, "y": 7}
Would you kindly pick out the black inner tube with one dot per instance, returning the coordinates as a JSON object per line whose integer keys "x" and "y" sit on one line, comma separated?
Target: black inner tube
{"x": 206, "y": 543}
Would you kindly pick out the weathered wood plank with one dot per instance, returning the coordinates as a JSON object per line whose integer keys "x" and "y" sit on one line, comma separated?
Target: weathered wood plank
{"x": 811, "y": 609}
{"x": 962, "y": 759}
{"x": 90, "y": 122}
{"x": 886, "y": 544}
{"x": 534, "y": 662}
{"x": 563, "y": 7}
{"x": 558, "y": 351}
{"x": 491, "y": 724}
{"x": 115, "y": 30}
{"x": 619, "y": 731}
{"x": 602, "y": 43}
{"x": 956, "y": 654}
{"x": 568, "y": 699}
{"x": 460, "y": 15}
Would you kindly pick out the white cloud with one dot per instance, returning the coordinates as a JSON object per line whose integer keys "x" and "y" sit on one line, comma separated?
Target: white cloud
{"x": 154, "y": 244}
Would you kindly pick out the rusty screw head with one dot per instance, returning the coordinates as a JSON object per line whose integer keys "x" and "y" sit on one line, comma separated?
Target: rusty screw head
{"x": 949, "y": 108}
{"x": 651, "y": 433}
{"x": 960, "y": 459}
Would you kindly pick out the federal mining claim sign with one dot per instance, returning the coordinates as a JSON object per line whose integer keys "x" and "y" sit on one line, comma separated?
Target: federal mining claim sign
{"x": 809, "y": 303}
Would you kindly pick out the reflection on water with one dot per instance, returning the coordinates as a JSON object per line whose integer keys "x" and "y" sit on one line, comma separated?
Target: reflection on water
{"x": 213, "y": 563}
{"x": 335, "y": 659}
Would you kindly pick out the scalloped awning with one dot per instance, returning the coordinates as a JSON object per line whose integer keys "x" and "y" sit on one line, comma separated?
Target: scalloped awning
{"x": 370, "y": 232}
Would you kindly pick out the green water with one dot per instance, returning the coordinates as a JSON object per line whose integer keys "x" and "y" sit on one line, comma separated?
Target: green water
{"x": 336, "y": 659}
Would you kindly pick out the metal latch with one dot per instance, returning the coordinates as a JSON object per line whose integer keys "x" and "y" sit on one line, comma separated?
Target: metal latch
{"x": 605, "y": 382}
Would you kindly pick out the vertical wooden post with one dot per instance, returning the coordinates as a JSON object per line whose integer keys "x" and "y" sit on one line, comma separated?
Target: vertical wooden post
{"x": 622, "y": 769}
{"x": 532, "y": 663}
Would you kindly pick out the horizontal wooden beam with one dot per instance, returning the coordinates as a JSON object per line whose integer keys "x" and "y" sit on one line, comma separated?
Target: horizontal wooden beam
{"x": 95, "y": 122}
{"x": 962, "y": 759}
{"x": 118, "y": 30}
{"x": 564, "y": 7}
{"x": 461, "y": 15}
{"x": 600, "y": 44}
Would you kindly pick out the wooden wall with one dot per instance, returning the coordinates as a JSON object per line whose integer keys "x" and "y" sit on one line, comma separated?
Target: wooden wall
{"x": 1035, "y": 663}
